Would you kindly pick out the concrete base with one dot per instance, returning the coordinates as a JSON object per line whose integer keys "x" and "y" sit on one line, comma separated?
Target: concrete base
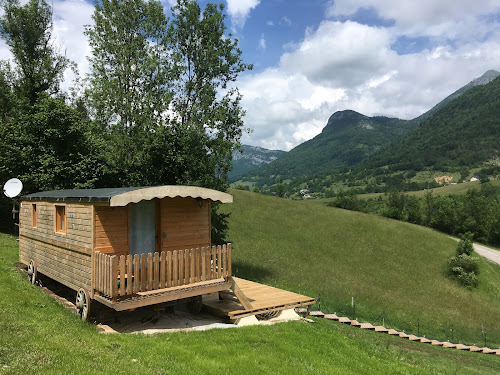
{"x": 286, "y": 316}
{"x": 246, "y": 321}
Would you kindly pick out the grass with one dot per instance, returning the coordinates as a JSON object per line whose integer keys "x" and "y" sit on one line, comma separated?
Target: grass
{"x": 39, "y": 336}
{"x": 395, "y": 271}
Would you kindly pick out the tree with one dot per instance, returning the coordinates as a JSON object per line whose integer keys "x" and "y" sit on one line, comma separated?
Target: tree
{"x": 129, "y": 82}
{"x": 27, "y": 30}
{"x": 50, "y": 147}
{"x": 205, "y": 102}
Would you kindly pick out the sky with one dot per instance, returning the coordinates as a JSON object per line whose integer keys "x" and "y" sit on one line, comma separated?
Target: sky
{"x": 311, "y": 58}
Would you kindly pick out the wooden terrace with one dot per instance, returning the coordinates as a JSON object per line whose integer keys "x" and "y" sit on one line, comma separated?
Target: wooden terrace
{"x": 126, "y": 282}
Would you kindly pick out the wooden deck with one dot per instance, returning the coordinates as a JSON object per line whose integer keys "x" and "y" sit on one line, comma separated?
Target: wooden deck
{"x": 261, "y": 299}
{"x": 165, "y": 295}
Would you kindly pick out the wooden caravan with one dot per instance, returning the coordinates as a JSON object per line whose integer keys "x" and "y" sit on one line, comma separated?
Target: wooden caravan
{"x": 125, "y": 247}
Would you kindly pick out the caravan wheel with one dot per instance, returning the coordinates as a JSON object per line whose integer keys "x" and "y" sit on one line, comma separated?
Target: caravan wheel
{"x": 83, "y": 303}
{"x": 32, "y": 272}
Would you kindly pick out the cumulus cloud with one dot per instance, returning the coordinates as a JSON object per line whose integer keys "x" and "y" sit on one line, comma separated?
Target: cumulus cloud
{"x": 346, "y": 65}
{"x": 239, "y": 10}
{"x": 443, "y": 18}
{"x": 341, "y": 53}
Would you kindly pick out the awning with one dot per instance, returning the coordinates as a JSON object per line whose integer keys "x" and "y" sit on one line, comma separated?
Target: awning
{"x": 123, "y": 196}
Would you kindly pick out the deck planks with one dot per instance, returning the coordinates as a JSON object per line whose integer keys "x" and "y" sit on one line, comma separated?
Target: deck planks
{"x": 263, "y": 298}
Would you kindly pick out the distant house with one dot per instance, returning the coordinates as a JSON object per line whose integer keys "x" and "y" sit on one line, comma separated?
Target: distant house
{"x": 475, "y": 178}
{"x": 304, "y": 191}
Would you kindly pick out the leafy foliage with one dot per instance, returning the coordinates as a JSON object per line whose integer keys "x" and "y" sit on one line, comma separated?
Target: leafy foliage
{"x": 27, "y": 30}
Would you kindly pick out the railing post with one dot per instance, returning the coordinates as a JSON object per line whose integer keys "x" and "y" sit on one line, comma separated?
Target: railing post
{"x": 229, "y": 266}
{"x": 114, "y": 277}
{"x": 122, "y": 275}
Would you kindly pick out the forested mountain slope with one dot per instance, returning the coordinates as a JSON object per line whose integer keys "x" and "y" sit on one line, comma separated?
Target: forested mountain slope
{"x": 348, "y": 138}
{"x": 250, "y": 158}
{"x": 464, "y": 133}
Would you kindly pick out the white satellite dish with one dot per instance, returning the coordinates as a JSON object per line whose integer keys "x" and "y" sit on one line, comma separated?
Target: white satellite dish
{"x": 13, "y": 188}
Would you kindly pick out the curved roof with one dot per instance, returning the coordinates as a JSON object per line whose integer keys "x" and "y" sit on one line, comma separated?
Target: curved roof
{"x": 123, "y": 196}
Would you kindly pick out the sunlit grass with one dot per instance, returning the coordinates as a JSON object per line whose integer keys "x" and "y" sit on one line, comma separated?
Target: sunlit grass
{"x": 39, "y": 336}
{"x": 395, "y": 271}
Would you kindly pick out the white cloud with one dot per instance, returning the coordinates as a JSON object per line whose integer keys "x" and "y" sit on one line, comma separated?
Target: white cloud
{"x": 285, "y": 21}
{"x": 346, "y": 65}
{"x": 239, "y": 10}
{"x": 341, "y": 53}
{"x": 443, "y": 18}
{"x": 262, "y": 43}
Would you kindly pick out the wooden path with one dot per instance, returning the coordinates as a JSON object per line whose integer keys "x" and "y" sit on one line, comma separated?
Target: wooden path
{"x": 257, "y": 298}
{"x": 445, "y": 344}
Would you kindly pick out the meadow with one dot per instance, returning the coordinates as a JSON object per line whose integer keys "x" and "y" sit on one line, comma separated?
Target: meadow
{"x": 284, "y": 243}
{"x": 394, "y": 271}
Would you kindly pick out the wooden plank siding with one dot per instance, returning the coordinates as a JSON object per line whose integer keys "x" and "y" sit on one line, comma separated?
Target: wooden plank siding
{"x": 184, "y": 224}
{"x": 64, "y": 257}
{"x": 145, "y": 274}
{"x": 111, "y": 234}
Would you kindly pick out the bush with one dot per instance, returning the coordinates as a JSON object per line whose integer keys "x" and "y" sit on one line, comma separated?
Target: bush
{"x": 465, "y": 245}
{"x": 464, "y": 269}
{"x": 465, "y": 262}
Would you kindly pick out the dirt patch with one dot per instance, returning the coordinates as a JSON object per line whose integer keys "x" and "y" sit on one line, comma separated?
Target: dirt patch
{"x": 443, "y": 180}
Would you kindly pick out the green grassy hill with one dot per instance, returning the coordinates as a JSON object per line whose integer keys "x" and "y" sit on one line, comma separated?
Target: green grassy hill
{"x": 395, "y": 271}
{"x": 37, "y": 335}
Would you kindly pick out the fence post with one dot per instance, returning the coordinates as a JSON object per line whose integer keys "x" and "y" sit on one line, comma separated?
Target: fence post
{"x": 114, "y": 278}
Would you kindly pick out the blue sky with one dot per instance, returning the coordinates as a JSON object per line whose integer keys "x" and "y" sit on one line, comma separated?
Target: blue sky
{"x": 315, "y": 57}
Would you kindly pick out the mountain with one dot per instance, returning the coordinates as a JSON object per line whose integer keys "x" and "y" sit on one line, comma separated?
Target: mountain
{"x": 486, "y": 78}
{"x": 348, "y": 138}
{"x": 465, "y": 132}
{"x": 250, "y": 158}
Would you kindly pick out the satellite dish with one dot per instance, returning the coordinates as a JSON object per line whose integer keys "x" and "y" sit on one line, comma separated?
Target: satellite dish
{"x": 13, "y": 188}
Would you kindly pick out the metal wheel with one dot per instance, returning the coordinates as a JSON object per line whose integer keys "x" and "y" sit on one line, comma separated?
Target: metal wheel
{"x": 32, "y": 272}
{"x": 268, "y": 315}
{"x": 195, "y": 304}
{"x": 83, "y": 303}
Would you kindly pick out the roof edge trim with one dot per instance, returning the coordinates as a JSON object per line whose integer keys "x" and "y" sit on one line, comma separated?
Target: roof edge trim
{"x": 169, "y": 191}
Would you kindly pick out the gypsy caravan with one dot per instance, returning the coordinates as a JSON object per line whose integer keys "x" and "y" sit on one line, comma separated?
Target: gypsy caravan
{"x": 125, "y": 247}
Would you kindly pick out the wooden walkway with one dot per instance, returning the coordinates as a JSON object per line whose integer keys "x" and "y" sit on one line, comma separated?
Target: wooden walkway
{"x": 355, "y": 323}
{"x": 259, "y": 299}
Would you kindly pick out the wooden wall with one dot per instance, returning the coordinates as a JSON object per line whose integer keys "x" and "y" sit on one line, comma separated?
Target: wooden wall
{"x": 65, "y": 257}
{"x": 112, "y": 230}
{"x": 185, "y": 223}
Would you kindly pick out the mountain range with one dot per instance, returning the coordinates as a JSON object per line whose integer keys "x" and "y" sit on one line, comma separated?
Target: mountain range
{"x": 461, "y": 130}
{"x": 249, "y": 158}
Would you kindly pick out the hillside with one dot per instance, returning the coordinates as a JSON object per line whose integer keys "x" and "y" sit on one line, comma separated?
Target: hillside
{"x": 250, "y": 158}
{"x": 486, "y": 78}
{"x": 38, "y": 336}
{"x": 390, "y": 268}
{"x": 348, "y": 138}
{"x": 463, "y": 133}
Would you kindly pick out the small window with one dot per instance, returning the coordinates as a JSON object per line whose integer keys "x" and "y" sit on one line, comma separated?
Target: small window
{"x": 33, "y": 213}
{"x": 61, "y": 219}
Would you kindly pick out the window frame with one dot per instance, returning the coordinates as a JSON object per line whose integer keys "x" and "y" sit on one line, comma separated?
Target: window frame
{"x": 60, "y": 223}
{"x": 34, "y": 215}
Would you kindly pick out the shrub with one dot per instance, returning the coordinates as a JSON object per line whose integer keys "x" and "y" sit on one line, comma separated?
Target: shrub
{"x": 465, "y": 245}
{"x": 464, "y": 269}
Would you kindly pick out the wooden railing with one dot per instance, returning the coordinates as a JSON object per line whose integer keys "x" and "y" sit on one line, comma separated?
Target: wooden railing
{"x": 126, "y": 275}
